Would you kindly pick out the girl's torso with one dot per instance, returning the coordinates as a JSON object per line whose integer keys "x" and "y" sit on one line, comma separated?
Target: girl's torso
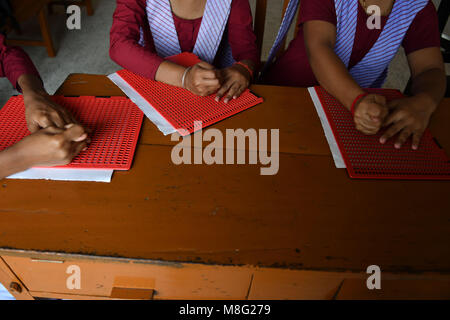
{"x": 421, "y": 34}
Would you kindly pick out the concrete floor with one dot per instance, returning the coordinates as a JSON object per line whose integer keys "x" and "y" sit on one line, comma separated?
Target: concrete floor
{"x": 86, "y": 50}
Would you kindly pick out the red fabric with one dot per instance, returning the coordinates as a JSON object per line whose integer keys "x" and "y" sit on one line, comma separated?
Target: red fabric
{"x": 130, "y": 15}
{"x": 293, "y": 69}
{"x": 14, "y": 62}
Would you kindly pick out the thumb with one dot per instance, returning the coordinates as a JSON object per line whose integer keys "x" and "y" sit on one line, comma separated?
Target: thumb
{"x": 75, "y": 133}
{"x": 44, "y": 122}
{"x": 375, "y": 112}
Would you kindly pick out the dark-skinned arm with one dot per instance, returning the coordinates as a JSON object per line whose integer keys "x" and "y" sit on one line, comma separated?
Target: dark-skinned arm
{"x": 40, "y": 110}
{"x": 47, "y": 147}
{"x": 410, "y": 116}
{"x": 333, "y": 76}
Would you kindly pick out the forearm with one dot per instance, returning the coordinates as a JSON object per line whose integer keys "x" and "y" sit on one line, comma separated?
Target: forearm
{"x": 332, "y": 75}
{"x": 250, "y": 63}
{"x": 131, "y": 56}
{"x": 31, "y": 84}
{"x": 12, "y": 161}
{"x": 170, "y": 73}
{"x": 430, "y": 86}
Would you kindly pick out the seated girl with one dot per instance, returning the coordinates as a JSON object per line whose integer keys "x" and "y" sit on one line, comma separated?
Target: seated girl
{"x": 340, "y": 47}
{"x": 219, "y": 32}
{"x": 55, "y": 137}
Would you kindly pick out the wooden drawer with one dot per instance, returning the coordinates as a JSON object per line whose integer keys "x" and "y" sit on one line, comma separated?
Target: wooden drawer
{"x": 131, "y": 279}
{"x": 396, "y": 289}
{"x": 46, "y": 275}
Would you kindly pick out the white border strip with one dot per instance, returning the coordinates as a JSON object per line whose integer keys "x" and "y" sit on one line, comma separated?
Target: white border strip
{"x": 59, "y": 174}
{"x": 334, "y": 148}
{"x": 163, "y": 125}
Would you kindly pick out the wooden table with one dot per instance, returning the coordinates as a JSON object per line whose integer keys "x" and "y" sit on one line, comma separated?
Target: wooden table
{"x": 261, "y": 235}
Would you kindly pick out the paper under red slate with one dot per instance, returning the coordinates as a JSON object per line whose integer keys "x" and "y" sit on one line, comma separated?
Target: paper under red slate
{"x": 366, "y": 157}
{"x": 115, "y": 124}
{"x": 182, "y": 108}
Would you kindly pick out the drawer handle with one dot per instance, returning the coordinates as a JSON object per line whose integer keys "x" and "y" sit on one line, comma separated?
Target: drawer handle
{"x": 15, "y": 287}
{"x": 133, "y": 288}
{"x": 132, "y": 293}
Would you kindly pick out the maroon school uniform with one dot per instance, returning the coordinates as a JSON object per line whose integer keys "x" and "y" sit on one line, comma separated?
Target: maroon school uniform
{"x": 14, "y": 62}
{"x": 130, "y": 15}
{"x": 293, "y": 68}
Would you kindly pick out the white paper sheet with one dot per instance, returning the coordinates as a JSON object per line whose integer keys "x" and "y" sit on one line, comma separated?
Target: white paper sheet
{"x": 4, "y": 294}
{"x": 337, "y": 156}
{"x": 163, "y": 125}
{"x": 60, "y": 174}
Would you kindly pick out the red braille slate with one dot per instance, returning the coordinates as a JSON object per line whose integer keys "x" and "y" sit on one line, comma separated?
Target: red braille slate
{"x": 115, "y": 123}
{"x": 180, "y": 107}
{"x": 366, "y": 158}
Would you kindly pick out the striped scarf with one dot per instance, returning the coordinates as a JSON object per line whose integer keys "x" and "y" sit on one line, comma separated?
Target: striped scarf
{"x": 209, "y": 40}
{"x": 371, "y": 71}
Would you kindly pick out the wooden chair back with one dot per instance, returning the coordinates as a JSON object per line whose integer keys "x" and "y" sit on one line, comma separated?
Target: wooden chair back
{"x": 260, "y": 21}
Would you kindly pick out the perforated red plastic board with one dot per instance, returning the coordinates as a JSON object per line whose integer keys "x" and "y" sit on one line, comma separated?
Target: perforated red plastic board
{"x": 115, "y": 123}
{"x": 182, "y": 108}
{"x": 366, "y": 158}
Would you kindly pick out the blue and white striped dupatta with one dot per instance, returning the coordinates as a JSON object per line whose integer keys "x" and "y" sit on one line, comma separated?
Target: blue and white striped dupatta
{"x": 371, "y": 71}
{"x": 210, "y": 35}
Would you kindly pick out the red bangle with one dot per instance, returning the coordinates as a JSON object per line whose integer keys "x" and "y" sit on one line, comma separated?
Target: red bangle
{"x": 357, "y": 99}
{"x": 246, "y": 67}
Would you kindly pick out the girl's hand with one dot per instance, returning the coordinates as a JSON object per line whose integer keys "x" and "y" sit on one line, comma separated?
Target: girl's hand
{"x": 370, "y": 113}
{"x": 202, "y": 80}
{"x": 52, "y": 146}
{"x": 235, "y": 80}
{"x": 42, "y": 112}
{"x": 410, "y": 117}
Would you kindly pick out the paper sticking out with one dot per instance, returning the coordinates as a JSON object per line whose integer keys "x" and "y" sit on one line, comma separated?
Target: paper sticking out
{"x": 163, "y": 125}
{"x": 337, "y": 155}
{"x": 58, "y": 174}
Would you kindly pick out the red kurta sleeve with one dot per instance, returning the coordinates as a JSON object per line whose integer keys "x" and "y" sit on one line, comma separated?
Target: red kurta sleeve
{"x": 424, "y": 30}
{"x": 125, "y": 50}
{"x": 241, "y": 37}
{"x": 130, "y": 16}
{"x": 14, "y": 62}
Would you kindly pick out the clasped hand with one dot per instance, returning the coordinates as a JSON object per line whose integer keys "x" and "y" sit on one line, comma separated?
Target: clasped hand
{"x": 405, "y": 117}
{"x": 42, "y": 112}
{"x": 229, "y": 83}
